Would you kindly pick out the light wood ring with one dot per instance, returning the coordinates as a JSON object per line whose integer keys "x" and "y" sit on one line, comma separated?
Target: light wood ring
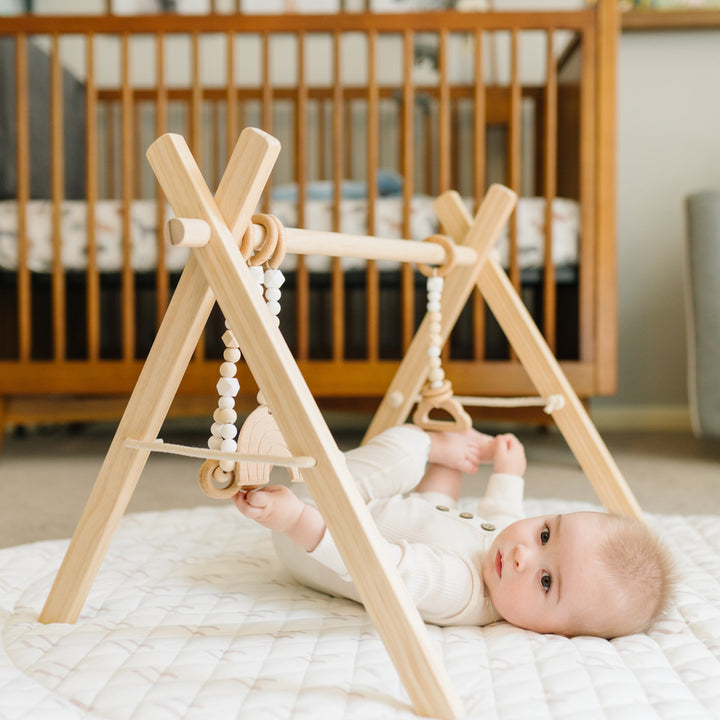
{"x": 451, "y": 258}
{"x": 247, "y": 244}
{"x": 208, "y": 486}
{"x": 265, "y": 252}
{"x": 280, "y": 246}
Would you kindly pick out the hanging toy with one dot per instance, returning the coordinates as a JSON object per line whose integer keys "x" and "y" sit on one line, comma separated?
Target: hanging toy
{"x": 437, "y": 392}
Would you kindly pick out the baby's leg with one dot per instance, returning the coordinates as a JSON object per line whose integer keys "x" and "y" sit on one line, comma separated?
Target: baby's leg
{"x": 451, "y": 455}
{"x": 391, "y": 463}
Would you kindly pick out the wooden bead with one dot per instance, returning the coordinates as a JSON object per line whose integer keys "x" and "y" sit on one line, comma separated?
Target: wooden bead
{"x": 434, "y": 316}
{"x": 222, "y": 477}
{"x": 435, "y": 340}
{"x": 232, "y": 354}
{"x": 228, "y": 386}
{"x": 434, "y": 362}
{"x": 228, "y": 445}
{"x": 229, "y": 340}
{"x": 225, "y": 415}
{"x": 257, "y": 273}
{"x": 273, "y": 278}
{"x": 227, "y": 466}
{"x": 226, "y": 402}
{"x": 228, "y": 431}
{"x": 435, "y": 283}
{"x": 214, "y": 442}
{"x": 228, "y": 370}
{"x": 436, "y": 376}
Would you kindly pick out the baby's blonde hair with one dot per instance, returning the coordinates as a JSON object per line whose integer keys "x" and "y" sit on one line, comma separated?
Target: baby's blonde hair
{"x": 639, "y": 566}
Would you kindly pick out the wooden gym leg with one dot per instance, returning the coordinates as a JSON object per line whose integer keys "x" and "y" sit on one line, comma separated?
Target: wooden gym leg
{"x": 491, "y": 217}
{"x": 170, "y": 354}
{"x": 545, "y": 372}
{"x": 304, "y": 429}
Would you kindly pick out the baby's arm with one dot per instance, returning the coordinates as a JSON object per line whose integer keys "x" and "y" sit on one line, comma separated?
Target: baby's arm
{"x": 276, "y": 507}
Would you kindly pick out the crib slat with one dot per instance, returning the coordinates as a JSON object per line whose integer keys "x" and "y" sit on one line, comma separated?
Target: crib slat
{"x": 91, "y": 190}
{"x": 231, "y": 100}
{"x": 550, "y": 183}
{"x": 338, "y": 290}
{"x": 22, "y": 113}
{"x": 196, "y": 134}
{"x": 443, "y": 117}
{"x": 57, "y": 172}
{"x": 267, "y": 110}
{"x": 589, "y": 141}
{"x": 161, "y": 122}
{"x": 128, "y": 279}
{"x": 301, "y": 137}
{"x": 515, "y": 149}
{"x": 407, "y": 297}
{"x": 479, "y": 131}
{"x": 372, "y": 282}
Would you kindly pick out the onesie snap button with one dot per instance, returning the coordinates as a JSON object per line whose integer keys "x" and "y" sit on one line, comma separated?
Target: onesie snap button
{"x": 466, "y": 515}
{"x": 443, "y": 508}
{"x": 487, "y": 526}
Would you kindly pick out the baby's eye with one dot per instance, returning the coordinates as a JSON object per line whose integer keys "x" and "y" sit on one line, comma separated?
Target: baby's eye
{"x": 546, "y": 581}
{"x": 545, "y": 535}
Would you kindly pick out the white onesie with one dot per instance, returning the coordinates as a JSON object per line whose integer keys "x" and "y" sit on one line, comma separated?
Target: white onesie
{"x": 437, "y": 550}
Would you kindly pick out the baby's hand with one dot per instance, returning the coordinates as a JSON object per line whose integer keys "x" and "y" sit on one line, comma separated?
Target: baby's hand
{"x": 273, "y": 506}
{"x": 509, "y": 456}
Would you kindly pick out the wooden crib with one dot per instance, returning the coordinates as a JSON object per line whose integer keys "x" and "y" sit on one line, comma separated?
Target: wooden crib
{"x": 377, "y": 114}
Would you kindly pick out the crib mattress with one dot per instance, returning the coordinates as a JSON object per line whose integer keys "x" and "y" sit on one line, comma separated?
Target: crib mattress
{"x": 318, "y": 216}
{"x": 192, "y": 616}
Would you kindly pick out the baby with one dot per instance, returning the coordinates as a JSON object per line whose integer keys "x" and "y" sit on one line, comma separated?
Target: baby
{"x": 584, "y": 573}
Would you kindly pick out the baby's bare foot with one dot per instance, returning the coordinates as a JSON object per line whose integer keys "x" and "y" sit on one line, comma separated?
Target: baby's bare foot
{"x": 461, "y": 451}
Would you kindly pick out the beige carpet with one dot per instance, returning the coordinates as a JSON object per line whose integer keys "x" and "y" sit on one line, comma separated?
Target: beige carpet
{"x": 46, "y": 475}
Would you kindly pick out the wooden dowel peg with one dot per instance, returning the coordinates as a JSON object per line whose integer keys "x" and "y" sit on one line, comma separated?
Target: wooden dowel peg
{"x": 187, "y": 232}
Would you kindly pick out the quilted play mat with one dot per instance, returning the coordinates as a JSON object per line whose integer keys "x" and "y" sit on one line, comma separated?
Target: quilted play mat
{"x": 192, "y": 616}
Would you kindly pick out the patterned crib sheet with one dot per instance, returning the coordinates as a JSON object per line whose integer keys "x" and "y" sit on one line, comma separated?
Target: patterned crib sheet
{"x": 109, "y": 224}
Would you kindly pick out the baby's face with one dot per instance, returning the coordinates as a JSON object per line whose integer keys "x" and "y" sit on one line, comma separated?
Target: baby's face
{"x": 541, "y": 575}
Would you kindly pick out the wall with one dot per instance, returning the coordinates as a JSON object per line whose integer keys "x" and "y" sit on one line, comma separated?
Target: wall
{"x": 668, "y": 147}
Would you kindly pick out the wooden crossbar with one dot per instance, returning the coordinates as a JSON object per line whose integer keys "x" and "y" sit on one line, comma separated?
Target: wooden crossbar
{"x": 190, "y": 232}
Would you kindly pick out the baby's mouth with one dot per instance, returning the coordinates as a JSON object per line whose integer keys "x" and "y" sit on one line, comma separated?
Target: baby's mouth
{"x": 498, "y": 564}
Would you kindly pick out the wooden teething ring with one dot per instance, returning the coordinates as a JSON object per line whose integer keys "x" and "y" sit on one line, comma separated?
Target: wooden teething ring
{"x": 211, "y": 475}
{"x": 450, "y": 257}
{"x": 272, "y": 250}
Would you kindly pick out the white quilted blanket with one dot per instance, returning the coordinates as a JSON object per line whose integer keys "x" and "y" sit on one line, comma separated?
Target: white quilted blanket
{"x": 192, "y": 617}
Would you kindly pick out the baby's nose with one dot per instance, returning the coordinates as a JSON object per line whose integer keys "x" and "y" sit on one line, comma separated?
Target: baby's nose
{"x": 521, "y": 555}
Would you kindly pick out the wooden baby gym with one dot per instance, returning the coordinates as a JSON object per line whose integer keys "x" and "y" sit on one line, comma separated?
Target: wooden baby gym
{"x": 288, "y": 428}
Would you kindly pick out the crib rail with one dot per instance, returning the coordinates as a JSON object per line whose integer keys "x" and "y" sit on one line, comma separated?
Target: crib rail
{"x": 344, "y": 95}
